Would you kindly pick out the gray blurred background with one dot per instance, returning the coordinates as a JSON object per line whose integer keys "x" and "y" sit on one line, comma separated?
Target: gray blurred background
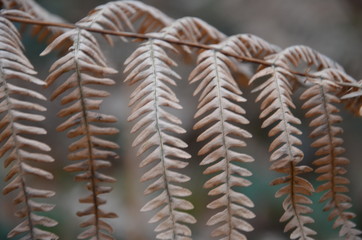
{"x": 332, "y": 27}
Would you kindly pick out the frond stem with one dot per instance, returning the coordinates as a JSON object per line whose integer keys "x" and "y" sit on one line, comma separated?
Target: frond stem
{"x": 217, "y": 77}
{"x": 89, "y": 142}
{"x": 292, "y": 182}
{"x": 281, "y": 102}
{"x": 148, "y": 37}
{"x": 162, "y": 152}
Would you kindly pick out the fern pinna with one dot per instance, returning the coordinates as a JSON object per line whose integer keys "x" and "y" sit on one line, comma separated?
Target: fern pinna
{"x": 218, "y": 104}
{"x": 150, "y": 65}
{"x": 21, "y": 151}
{"x": 220, "y": 117}
{"x": 276, "y": 93}
{"x": 87, "y": 66}
{"x": 320, "y": 98}
{"x": 38, "y": 12}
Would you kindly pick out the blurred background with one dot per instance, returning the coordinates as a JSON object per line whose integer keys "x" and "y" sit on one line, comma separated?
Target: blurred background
{"x": 332, "y": 27}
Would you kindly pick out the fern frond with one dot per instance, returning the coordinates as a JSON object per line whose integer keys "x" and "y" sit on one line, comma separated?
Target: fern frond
{"x": 248, "y": 45}
{"x": 86, "y": 63}
{"x": 193, "y": 30}
{"x": 352, "y": 97}
{"x": 37, "y": 12}
{"x": 221, "y": 114}
{"x": 219, "y": 94}
{"x": 148, "y": 18}
{"x": 350, "y": 91}
{"x": 21, "y": 151}
{"x": 299, "y": 54}
{"x": 125, "y": 16}
{"x": 276, "y": 108}
{"x": 150, "y": 66}
{"x": 320, "y": 99}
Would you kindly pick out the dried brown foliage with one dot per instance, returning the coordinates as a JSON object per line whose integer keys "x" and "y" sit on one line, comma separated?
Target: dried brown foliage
{"x": 18, "y": 150}
{"x": 81, "y": 71}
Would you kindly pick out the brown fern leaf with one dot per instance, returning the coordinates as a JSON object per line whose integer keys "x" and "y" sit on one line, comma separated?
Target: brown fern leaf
{"x": 248, "y": 45}
{"x": 20, "y": 151}
{"x": 87, "y": 66}
{"x": 299, "y": 54}
{"x": 191, "y": 29}
{"x": 125, "y": 16}
{"x": 276, "y": 108}
{"x": 37, "y": 12}
{"x": 319, "y": 101}
{"x": 150, "y": 19}
{"x": 150, "y": 66}
{"x": 217, "y": 103}
{"x": 219, "y": 95}
{"x": 352, "y": 97}
{"x": 350, "y": 91}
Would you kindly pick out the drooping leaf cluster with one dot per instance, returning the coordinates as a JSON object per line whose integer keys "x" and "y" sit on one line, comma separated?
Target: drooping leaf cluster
{"x": 82, "y": 71}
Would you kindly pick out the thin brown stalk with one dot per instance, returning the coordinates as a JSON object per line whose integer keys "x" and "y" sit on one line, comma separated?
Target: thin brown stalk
{"x": 147, "y": 37}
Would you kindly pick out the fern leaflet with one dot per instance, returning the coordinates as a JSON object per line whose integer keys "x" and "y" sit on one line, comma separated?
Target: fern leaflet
{"x": 320, "y": 98}
{"x": 86, "y": 61}
{"x": 150, "y": 66}
{"x": 22, "y": 150}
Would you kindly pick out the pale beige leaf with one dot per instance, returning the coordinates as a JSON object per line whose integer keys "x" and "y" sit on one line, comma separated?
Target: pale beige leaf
{"x": 320, "y": 98}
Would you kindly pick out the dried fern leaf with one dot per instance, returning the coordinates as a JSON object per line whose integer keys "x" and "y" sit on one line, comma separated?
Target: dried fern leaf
{"x": 347, "y": 88}
{"x": 275, "y": 94}
{"x": 86, "y": 64}
{"x": 320, "y": 99}
{"x": 248, "y": 45}
{"x": 296, "y": 55}
{"x": 157, "y": 139}
{"x": 349, "y": 91}
{"x": 18, "y": 150}
{"x": 123, "y": 16}
{"x": 149, "y": 19}
{"x": 140, "y": 67}
{"x": 276, "y": 105}
{"x": 351, "y": 96}
{"x": 221, "y": 114}
{"x": 191, "y": 29}
{"x": 37, "y": 12}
